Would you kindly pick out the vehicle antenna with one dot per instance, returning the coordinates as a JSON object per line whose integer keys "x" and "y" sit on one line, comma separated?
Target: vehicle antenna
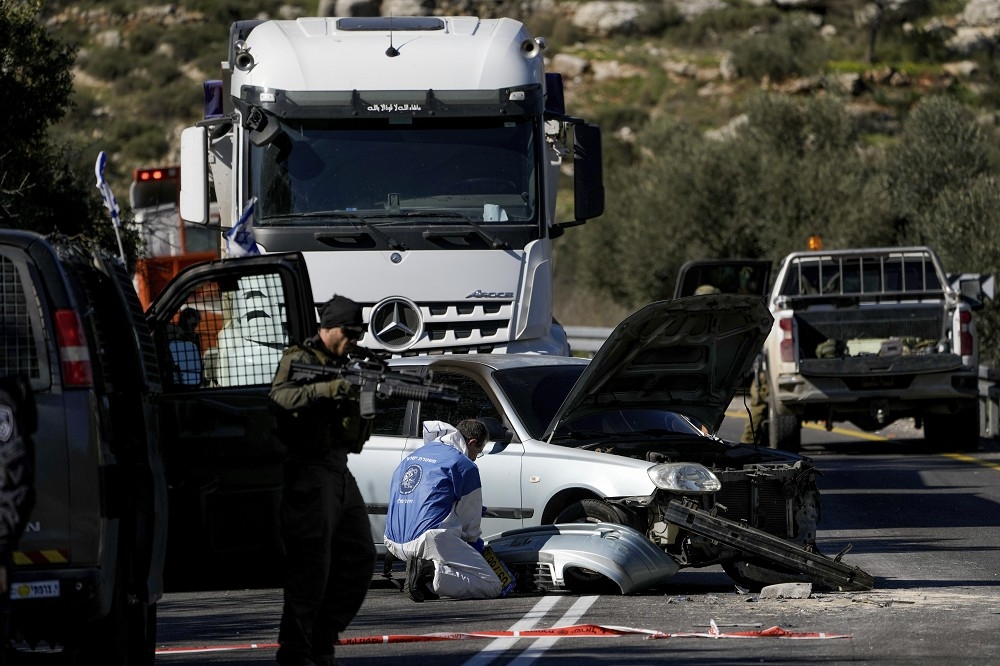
{"x": 392, "y": 51}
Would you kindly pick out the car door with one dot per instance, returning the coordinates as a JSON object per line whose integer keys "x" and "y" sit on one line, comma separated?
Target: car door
{"x": 220, "y": 329}
{"x": 373, "y": 467}
{"x": 500, "y": 467}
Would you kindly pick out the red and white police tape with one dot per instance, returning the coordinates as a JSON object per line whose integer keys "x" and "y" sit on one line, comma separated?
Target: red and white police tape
{"x": 574, "y": 631}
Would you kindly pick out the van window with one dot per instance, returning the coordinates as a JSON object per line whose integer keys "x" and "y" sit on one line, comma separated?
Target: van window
{"x": 23, "y": 340}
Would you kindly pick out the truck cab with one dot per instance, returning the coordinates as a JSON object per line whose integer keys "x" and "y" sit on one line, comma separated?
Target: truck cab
{"x": 423, "y": 191}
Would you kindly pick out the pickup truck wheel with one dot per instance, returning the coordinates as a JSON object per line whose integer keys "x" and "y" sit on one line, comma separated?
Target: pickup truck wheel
{"x": 784, "y": 431}
{"x": 953, "y": 432}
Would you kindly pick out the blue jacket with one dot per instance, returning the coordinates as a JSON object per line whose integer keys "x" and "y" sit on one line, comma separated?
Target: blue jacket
{"x": 435, "y": 487}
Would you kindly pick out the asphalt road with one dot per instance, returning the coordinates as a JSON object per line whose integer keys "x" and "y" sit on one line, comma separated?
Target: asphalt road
{"x": 924, "y": 524}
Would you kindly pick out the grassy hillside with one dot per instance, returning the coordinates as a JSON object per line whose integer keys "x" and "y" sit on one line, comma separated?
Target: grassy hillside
{"x": 139, "y": 71}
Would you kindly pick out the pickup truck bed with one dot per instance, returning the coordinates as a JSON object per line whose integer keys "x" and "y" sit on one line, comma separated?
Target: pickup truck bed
{"x": 871, "y": 336}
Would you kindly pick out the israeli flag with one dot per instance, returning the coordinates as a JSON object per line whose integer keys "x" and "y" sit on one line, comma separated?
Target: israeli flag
{"x": 239, "y": 240}
{"x": 109, "y": 197}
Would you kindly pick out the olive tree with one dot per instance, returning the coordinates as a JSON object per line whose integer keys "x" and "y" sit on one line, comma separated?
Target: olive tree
{"x": 38, "y": 185}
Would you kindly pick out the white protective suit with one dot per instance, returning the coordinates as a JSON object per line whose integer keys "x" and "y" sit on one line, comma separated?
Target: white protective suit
{"x": 435, "y": 512}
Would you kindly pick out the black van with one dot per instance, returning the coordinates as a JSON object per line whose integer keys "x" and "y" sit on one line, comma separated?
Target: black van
{"x": 88, "y": 571}
{"x": 138, "y": 410}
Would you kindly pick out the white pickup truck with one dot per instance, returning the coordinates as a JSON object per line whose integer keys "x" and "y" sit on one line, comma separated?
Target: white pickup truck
{"x": 871, "y": 336}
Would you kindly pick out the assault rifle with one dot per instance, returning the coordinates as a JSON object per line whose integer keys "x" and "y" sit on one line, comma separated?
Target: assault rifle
{"x": 375, "y": 378}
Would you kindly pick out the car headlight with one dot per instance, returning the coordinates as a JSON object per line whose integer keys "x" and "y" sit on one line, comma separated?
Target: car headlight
{"x": 685, "y": 478}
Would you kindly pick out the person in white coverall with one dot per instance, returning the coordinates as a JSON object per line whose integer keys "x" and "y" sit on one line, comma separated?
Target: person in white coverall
{"x": 435, "y": 513}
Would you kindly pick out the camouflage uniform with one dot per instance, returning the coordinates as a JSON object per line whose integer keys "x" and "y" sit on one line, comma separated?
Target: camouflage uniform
{"x": 330, "y": 554}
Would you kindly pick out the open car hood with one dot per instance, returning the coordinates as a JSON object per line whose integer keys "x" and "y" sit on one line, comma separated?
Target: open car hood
{"x": 688, "y": 355}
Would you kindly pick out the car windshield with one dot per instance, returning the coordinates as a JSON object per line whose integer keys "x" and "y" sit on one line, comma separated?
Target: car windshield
{"x": 538, "y": 392}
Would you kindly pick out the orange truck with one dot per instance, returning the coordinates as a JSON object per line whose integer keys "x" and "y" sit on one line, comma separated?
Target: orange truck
{"x": 169, "y": 243}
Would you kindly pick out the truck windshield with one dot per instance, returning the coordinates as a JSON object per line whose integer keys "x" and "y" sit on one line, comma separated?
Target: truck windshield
{"x": 482, "y": 169}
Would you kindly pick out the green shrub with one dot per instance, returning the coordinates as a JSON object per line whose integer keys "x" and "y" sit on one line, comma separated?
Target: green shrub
{"x": 789, "y": 49}
{"x": 718, "y": 27}
{"x": 107, "y": 64}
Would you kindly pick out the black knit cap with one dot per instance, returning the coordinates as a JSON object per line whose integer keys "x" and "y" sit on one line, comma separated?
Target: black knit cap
{"x": 340, "y": 311}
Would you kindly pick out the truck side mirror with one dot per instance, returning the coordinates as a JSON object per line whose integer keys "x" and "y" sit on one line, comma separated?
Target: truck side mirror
{"x": 194, "y": 175}
{"x": 588, "y": 172}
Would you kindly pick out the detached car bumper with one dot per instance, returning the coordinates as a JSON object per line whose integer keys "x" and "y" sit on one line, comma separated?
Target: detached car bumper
{"x": 553, "y": 553}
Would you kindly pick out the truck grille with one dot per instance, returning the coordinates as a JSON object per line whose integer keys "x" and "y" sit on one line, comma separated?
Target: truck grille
{"x": 402, "y": 326}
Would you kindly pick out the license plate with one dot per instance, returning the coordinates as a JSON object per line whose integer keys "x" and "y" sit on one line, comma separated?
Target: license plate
{"x": 500, "y": 569}
{"x": 41, "y": 589}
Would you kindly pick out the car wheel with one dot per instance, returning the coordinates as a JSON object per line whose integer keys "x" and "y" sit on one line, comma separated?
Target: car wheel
{"x": 591, "y": 511}
{"x": 784, "y": 431}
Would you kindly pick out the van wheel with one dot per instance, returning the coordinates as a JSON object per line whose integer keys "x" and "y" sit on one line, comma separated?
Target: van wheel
{"x": 125, "y": 637}
{"x": 784, "y": 431}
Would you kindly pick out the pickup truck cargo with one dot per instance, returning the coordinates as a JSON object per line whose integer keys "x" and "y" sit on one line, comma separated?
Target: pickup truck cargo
{"x": 871, "y": 336}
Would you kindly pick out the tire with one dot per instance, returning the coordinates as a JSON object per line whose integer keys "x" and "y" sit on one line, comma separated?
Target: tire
{"x": 953, "y": 432}
{"x": 591, "y": 511}
{"x": 126, "y": 636}
{"x": 784, "y": 431}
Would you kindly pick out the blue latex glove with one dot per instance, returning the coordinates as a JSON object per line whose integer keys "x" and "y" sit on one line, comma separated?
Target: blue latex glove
{"x": 479, "y": 545}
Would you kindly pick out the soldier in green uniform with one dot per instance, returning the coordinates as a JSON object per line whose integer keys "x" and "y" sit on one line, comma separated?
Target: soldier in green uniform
{"x": 330, "y": 554}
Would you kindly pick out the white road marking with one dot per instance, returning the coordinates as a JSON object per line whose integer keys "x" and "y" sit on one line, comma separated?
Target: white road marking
{"x": 571, "y": 617}
{"x": 500, "y": 645}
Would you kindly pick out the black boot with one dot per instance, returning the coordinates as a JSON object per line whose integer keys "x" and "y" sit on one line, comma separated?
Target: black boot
{"x": 419, "y": 576}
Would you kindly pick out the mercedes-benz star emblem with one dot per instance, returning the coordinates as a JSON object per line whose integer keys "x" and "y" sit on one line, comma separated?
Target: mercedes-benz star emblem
{"x": 396, "y": 323}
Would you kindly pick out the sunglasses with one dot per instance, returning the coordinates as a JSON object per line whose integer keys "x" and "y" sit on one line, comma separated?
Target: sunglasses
{"x": 352, "y": 333}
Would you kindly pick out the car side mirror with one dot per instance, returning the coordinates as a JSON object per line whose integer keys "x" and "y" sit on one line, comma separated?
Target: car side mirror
{"x": 497, "y": 433}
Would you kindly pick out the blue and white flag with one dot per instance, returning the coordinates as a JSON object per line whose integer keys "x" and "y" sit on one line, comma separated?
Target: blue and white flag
{"x": 239, "y": 240}
{"x": 109, "y": 200}
{"x": 109, "y": 197}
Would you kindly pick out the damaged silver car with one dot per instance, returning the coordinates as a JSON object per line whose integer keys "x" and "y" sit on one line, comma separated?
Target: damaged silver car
{"x": 628, "y": 438}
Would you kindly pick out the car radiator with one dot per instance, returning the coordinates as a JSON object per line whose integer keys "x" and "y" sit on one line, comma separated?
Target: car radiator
{"x": 760, "y": 496}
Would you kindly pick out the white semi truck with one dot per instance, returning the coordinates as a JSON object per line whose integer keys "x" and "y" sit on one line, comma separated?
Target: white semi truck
{"x": 415, "y": 163}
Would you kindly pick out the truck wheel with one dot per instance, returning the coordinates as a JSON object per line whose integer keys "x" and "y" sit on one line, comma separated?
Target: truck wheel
{"x": 953, "y": 432}
{"x": 784, "y": 431}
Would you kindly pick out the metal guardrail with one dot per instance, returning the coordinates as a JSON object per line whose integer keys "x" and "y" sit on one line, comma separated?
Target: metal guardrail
{"x": 586, "y": 340}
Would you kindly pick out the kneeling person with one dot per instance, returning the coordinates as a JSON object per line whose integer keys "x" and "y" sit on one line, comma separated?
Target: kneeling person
{"x": 435, "y": 514}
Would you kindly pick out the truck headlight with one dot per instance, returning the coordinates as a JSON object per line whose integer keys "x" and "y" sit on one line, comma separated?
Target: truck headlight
{"x": 685, "y": 478}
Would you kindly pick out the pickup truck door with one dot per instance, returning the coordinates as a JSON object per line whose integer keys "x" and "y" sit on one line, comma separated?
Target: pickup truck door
{"x": 220, "y": 329}
{"x": 729, "y": 276}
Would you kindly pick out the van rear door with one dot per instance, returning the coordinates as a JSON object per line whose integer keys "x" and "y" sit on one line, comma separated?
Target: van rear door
{"x": 220, "y": 329}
